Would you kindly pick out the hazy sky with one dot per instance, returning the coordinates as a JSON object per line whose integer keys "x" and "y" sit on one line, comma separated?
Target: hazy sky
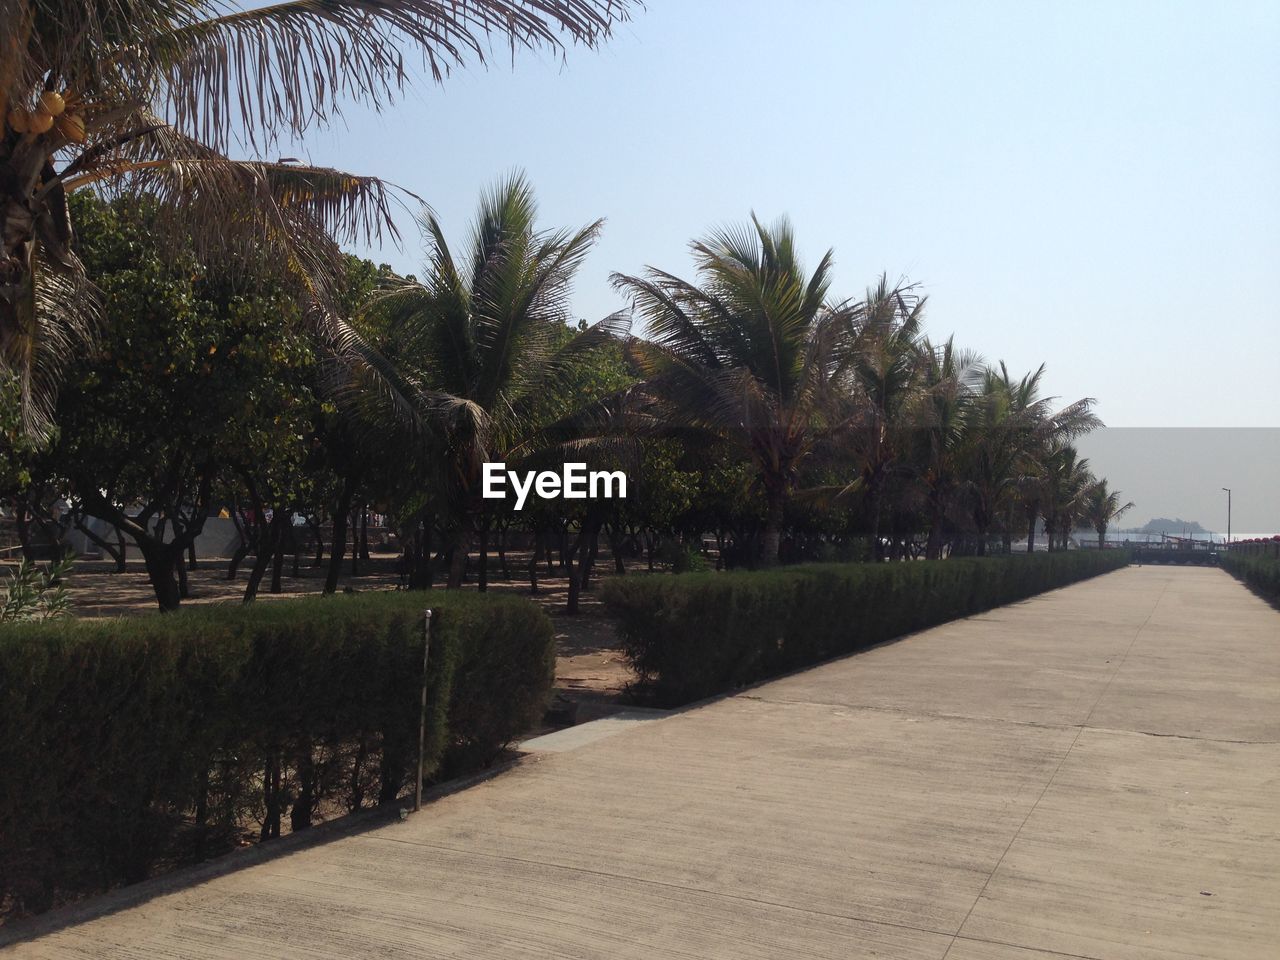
{"x": 1092, "y": 185}
{"x": 1179, "y": 474}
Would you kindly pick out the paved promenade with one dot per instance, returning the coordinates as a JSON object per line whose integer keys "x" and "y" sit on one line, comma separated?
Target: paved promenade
{"x": 1093, "y": 773}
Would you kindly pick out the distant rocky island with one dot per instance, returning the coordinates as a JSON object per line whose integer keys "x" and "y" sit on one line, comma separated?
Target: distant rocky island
{"x": 1176, "y": 526}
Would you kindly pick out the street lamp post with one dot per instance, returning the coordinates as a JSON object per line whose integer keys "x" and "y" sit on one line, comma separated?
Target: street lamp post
{"x": 1228, "y": 489}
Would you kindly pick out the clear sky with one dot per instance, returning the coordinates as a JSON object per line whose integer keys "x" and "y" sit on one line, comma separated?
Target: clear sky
{"x": 1092, "y": 185}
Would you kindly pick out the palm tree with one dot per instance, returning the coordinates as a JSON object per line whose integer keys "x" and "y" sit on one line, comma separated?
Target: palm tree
{"x": 745, "y": 355}
{"x": 476, "y": 350}
{"x": 1065, "y": 482}
{"x": 948, "y": 381}
{"x": 879, "y": 360}
{"x": 1010, "y": 430}
{"x": 149, "y": 96}
{"x": 990, "y": 452}
{"x": 1101, "y": 507}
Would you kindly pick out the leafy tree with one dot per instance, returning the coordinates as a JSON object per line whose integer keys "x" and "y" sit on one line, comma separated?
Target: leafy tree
{"x": 879, "y": 365}
{"x": 1065, "y": 483}
{"x": 744, "y": 355}
{"x": 192, "y": 379}
{"x": 948, "y": 380}
{"x": 1011, "y": 427}
{"x": 146, "y": 96}
{"x": 1102, "y": 507}
{"x": 480, "y": 351}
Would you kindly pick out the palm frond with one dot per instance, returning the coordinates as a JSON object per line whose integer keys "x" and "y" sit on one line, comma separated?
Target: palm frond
{"x": 57, "y": 323}
{"x": 254, "y": 74}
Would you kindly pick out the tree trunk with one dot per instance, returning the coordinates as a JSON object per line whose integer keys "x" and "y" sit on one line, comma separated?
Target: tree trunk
{"x": 339, "y": 547}
{"x": 575, "y": 584}
{"x": 116, "y": 553}
{"x": 873, "y": 500}
{"x": 615, "y": 547}
{"x": 933, "y": 548}
{"x": 159, "y": 559}
{"x": 242, "y": 551}
{"x": 895, "y": 538}
{"x": 458, "y": 558}
{"x": 180, "y": 567}
{"x": 22, "y": 520}
{"x": 483, "y": 548}
{"x": 502, "y": 552}
{"x": 272, "y": 799}
{"x": 355, "y": 788}
{"x": 593, "y": 550}
{"x": 422, "y": 573}
{"x": 364, "y": 533}
{"x": 277, "y": 567}
{"x": 539, "y": 542}
{"x": 772, "y": 531}
{"x": 579, "y": 571}
{"x": 304, "y": 805}
{"x": 565, "y": 558}
{"x": 316, "y": 528}
{"x": 355, "y": 543}
{"x": 268, "y": 549}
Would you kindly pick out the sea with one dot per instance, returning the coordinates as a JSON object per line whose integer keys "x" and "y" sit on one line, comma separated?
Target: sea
{"x": 1209, "y": 537}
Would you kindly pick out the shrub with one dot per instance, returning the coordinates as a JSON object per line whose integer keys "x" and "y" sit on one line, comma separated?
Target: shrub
{"x": 35, "y": 594}
{"x": 691, "y": 636}
{"x": 1262, "y": 573}
{"x": 132, "y": 742}
{"x": 681, "y": 557}
{"x": 500, "y": 680}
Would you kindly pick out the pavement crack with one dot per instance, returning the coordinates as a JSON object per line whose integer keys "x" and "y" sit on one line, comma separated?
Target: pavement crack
{"x": 1056, "y": 770}
{"x": 1024, "y": 946}
{"x": 910, "y": 714}
{"x": 1184, "y": 736}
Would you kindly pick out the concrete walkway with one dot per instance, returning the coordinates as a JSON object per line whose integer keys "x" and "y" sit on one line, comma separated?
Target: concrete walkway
{"x": 1092, "y": 773}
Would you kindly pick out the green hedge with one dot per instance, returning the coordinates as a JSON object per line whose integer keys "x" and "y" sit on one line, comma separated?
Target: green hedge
{"x": 1260, "y": 572}
{"x": 132, "y": 743}
{"x": 691, "y": 636}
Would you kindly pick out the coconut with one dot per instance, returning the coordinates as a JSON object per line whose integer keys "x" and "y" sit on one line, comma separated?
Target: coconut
{"x": 41, "y": 122}
{"x": 71, "y": 126}
{"x": 52, "y": 103}
{"x": 19, "y": 120}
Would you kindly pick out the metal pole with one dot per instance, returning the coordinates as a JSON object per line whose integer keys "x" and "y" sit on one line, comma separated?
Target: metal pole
{"x": 1228, "y": 490}
{"x": 422, "y": 713}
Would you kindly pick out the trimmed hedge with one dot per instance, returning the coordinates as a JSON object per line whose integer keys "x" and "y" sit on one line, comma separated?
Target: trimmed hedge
{"x": 132, "y": 743}
{"x": 692, "y": 636}
{"x": 1262, "y": 573}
